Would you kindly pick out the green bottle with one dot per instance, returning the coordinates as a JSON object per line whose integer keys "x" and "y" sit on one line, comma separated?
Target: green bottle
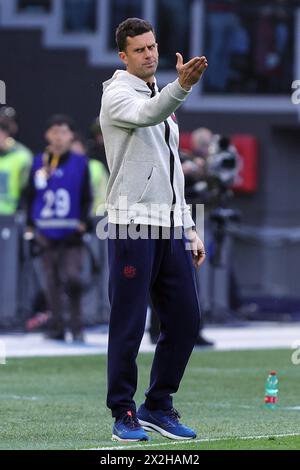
{"x": 271, "y": 391}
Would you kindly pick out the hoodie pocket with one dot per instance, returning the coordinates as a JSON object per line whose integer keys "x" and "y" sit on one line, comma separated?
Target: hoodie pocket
{"x": 137, "y": 180}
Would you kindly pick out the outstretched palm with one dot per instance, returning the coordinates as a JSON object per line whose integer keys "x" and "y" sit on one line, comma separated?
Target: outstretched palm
{"x": 190, "y": 73}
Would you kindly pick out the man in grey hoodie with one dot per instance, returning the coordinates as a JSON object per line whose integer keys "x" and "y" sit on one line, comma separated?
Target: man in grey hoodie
{"x": 145, "y": 200}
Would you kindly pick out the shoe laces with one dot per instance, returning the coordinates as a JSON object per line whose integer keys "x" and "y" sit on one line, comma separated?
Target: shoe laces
{"x": 130, "y": 420}
{"x": 173, "y": 414}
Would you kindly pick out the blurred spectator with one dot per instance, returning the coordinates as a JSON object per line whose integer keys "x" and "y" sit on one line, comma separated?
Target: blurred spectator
{"x": 119, "y": 11}
{"x": 210, "y": 170}
{"x": 241, "y": 74}
{"x": 194, "y": 165}
{"x": 249, "y": 46}
{"x": 222, "y": 24}
{"x": 79, "y": 15}
{"x": 271, "y": 46}
{"x": 201, "y": 140}
{"x": 195, "y": 172}
{"x": 98, "y": 175}
{"x": 95, "y": 144}
{"x": 177, "y": 27}
{"x": 98, "y": 248}
{"x": 34, "y": 6}
{"x": 59, "y": 200}
{"x": 15, "y": 162}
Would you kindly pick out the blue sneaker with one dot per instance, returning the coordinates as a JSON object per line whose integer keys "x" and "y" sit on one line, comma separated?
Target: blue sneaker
{"x": 166, "y": 422}
{"x": 128, "y": 429}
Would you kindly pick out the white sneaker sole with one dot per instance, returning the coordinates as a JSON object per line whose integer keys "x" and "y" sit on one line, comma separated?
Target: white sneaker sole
{"x": 153, "y": 427}
{"x": 119, "y": 439}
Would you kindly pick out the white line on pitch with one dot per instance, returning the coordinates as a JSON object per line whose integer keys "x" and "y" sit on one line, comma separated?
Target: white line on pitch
{"x": 213, "y": 439}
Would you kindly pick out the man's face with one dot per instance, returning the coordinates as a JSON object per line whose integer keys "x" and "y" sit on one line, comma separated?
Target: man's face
{"x": 141, "y": 56}
{"x": 60, "y": 137}
{"x": 203, "y": 148}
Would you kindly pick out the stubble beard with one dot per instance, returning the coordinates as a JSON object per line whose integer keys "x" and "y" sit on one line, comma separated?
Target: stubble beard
{"x": 145, "y": 74}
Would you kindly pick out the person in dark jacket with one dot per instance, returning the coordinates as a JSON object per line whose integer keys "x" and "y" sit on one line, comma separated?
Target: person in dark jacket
{"x": 59, "y": 201}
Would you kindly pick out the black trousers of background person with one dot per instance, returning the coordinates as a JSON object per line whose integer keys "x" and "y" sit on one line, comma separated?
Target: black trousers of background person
{"x": 163, "y": 269}
{"x": 62, "y": 264}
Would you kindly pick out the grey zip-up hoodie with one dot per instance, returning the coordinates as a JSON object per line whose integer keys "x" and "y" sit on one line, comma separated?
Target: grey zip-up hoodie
{"x": 141, "y": 137}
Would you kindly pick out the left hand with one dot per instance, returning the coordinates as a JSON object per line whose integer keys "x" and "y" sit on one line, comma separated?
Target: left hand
{"x": 198, "y": 250}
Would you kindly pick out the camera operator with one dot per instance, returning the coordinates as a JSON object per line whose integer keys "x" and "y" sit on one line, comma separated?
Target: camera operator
{"x": 194, "y": 169}
{"x": 210, "y": 170}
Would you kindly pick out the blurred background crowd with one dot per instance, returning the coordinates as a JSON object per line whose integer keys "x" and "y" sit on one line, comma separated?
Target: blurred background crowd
{"x": 239, "y": 148}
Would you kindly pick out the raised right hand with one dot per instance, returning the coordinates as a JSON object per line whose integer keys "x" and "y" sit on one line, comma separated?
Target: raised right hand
{"x": 190, "y": 72}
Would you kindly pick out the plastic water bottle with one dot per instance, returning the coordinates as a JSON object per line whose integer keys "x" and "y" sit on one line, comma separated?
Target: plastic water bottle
{"x": 271, "y": 391}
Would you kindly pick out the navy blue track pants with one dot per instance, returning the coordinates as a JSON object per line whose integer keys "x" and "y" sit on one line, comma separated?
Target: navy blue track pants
{"x": 163, "y": 269}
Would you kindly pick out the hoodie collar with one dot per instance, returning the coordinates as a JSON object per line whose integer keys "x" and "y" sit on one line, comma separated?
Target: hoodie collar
{"x": 122, "y": 76}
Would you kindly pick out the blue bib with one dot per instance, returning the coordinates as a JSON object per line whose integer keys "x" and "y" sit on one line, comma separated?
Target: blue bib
{"x": 57, "y": 203}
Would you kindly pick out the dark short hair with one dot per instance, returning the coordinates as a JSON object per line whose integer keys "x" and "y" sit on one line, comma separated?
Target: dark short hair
{"x": 8, "y": 125}
{"x": 131, "y": 27}
{"x": 60, "y": 120}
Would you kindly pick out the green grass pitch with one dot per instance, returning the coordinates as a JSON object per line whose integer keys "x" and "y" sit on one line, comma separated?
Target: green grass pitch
{"x": 59, "y": 402}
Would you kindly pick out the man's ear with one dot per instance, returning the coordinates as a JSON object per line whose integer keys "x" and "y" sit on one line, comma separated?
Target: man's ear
{"x": 123, "y": 57}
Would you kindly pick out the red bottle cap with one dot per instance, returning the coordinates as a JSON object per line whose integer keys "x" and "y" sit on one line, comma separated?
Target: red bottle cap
{"x": 273, "y": 372}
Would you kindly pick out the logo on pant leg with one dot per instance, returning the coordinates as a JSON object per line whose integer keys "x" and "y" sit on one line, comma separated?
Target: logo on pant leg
{"x": 129, "y": 272}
